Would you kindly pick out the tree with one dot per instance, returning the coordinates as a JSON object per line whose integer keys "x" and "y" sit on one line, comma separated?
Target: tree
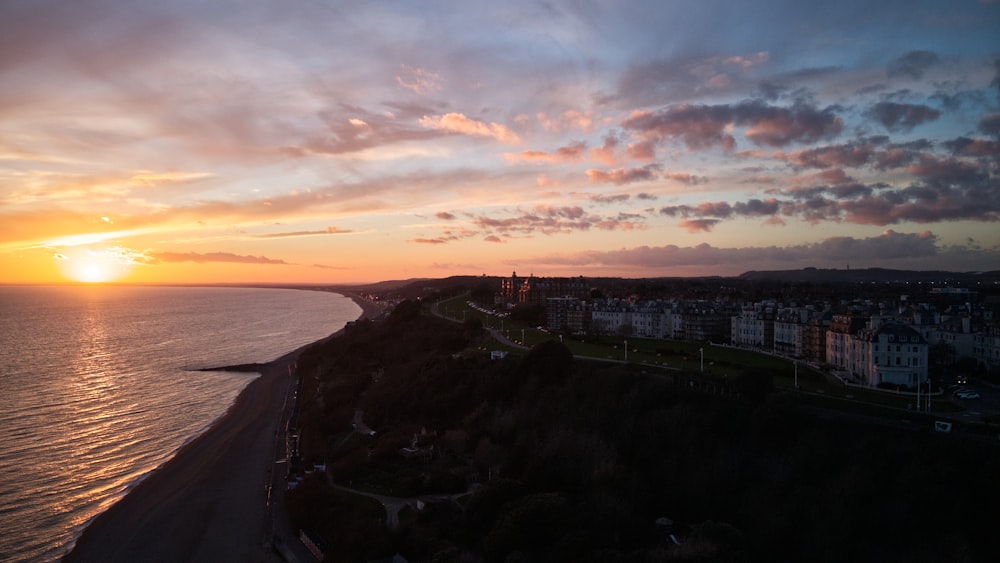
{"x": 549, "y": 362}
{"x": 529, "y": 524}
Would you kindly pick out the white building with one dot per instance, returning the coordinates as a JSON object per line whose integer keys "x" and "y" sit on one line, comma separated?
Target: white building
{"x": 986, "y": 347}
{"x": 884, "y": 352}
{"x": 754, "y": 327}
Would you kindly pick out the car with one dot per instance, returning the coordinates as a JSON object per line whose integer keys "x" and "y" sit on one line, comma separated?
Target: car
{"x": 961, "y": 380}
{"x": 966, "y": 394}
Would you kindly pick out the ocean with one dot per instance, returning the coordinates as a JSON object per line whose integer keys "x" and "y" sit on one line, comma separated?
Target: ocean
{"x": 97, "y": 389}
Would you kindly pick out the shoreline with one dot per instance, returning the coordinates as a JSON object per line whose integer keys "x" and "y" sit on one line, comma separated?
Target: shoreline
{"x": 211, "y": 500}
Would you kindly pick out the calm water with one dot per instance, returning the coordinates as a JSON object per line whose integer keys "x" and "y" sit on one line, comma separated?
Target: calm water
{"x": 96, "y": 390}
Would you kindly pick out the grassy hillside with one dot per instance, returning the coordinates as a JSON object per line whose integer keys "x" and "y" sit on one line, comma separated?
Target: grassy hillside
{"x": 542, "y": 458}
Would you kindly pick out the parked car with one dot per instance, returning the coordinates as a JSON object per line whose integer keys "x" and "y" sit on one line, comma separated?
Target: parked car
{"x": 966, "y": 394}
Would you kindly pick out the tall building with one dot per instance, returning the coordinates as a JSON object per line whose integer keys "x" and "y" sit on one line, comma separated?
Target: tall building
{"x": 877, "y": 353}
{"x": 567, "y": 314}
{"x": 753, "y": 327}
{"x": 892, "y": 353}
{"x": 534, "y": 291}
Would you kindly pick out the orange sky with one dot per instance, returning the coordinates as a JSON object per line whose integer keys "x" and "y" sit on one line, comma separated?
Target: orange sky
{"x": 192, "y": 142}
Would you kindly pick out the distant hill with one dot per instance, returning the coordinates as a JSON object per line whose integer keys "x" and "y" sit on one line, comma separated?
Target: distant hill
{"x": 422, "y": 287}
{"x": 867, "y": 275}
{"x": 418, "y": 287}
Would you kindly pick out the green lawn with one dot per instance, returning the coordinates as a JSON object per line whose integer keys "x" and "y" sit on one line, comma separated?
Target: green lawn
{"x": 687, "y": 357}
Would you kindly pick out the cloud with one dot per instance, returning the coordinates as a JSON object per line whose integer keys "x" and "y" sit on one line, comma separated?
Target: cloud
{"x": 696, "y": 225}
{"x": 948, "y": 171}
{"x": 151, "y": 179}
{"x": 888, "y": 249}
{"x": 706, "y": 126}
{"x": 699, "y": 127}
{"x": 620, "y": 176}
{"x": 685, "y": 178}
{"x": 569, "y": 119}
{"x": 902, "y": 117}
{"x": 571, "y": 152}
{"x": 723, "y": 209}
{"x": 875, "y": 151}
{"x": 676, "y": 80}
{"x": 964, "y": 146}
{"x": 294, "y": 234}
{"x": 551, "y": 220}
{"x": 459, "y": 123}
{"x": 947, "y": 189}
{"x": 851, "y": 154}
{"x": 444, "y": 216}
{"x": 617, "y": 198}
{"x": 352, "y": 129}
{"x": 605, "y": 154}
{"x": 990, "y": 125}
{"x": 913, "y": 64}
{"x": 623, "y": 222}
{"x": 418, "y": 80}
{"x": 778, "y": 127}
{"x": 212, "y": 257}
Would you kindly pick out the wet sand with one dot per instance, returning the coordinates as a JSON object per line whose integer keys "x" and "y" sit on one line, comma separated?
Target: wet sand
{"x": 208, "y": 502}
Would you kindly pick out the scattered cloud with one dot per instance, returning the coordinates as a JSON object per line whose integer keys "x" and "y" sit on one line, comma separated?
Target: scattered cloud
{"x": 707, "y": 126}
{"x": 121, "y": 131}
{"x": 902, "y": 117}
{"x": 912, "y": 65}
{"x": 888, "y": 249}
{"x": 418, "y": 80}
{"x": 685, "y": 178}
{"x": 212, "y": 257}
{"x": 696, "y": 225}
{"x": 620, "y": 176}
{"x": 573, "y": 151}
{"x": 292, "y": 234}
{"x": 459, "y": 123}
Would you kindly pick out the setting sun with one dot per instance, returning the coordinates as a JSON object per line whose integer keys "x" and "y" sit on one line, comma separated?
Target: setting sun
{"x": 93, "y": 266}
{"x": 92, "y": 273}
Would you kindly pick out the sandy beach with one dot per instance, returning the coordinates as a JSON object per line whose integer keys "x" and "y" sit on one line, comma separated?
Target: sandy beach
{"x": 210, "y": 501}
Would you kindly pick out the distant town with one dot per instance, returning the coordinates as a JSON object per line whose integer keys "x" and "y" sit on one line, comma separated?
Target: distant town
{"x": 876, "y": 328}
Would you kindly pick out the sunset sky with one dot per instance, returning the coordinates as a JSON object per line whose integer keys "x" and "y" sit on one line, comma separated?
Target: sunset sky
{"x": 332, "y": 142}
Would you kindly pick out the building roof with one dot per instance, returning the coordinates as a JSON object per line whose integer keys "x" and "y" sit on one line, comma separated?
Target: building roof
{"x": 897, "y": 332}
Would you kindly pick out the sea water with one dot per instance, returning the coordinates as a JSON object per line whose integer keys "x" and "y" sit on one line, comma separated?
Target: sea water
{"x": 98, "y": 388}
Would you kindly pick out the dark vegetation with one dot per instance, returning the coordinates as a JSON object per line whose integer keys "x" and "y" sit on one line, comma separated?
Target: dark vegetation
{"x": 550, "y": 459}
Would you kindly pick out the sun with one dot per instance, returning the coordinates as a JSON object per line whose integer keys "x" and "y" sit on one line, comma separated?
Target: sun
{"x": 92, "y": 273}
{"x": 93, "y": 265}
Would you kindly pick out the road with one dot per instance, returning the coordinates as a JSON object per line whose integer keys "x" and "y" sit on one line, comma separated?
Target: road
{"x": 988, "y": 404}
